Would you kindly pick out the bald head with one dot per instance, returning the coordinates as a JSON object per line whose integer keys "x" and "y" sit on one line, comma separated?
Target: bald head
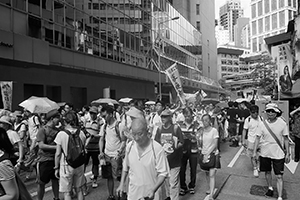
{"x": 139, "y": 125}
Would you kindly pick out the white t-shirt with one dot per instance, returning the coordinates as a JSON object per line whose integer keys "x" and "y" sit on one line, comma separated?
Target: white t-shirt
{"x": 112, "y": 140}
{"x": 62, "y": 139}
{"x": 33, "y": 123}
{"x": 269, "y": 146}
{"x": 13, "y": 137}
{"x": 144, "y": 170}
{"x": 208, "y": 140}
{"x": 252, "y": 126}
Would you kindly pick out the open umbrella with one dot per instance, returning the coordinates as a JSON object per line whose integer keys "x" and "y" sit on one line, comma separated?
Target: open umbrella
{"x": 39, "y": 104}
{"x": 125, "y": 100}
{"x": 222, "y": 104}
{"x": 240, "y": 100}
{"x": 104, "y": 101}
{"x": 150, "y": 103}
{"x": 209, "y": 101}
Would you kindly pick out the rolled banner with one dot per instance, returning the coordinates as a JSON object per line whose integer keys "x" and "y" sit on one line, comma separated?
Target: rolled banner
{"x": 174, "y": 77}
{"x": 6, "y": 91}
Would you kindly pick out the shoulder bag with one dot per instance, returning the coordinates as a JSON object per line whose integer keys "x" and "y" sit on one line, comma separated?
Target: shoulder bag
{"x": 274, "y": 136}
{"x": 211, "y": 162}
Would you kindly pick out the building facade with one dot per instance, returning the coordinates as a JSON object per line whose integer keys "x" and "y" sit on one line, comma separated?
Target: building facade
{"x": 229, "y": 13}
{"x": 201, "y": 13}
{"x": 242, "y": 32}
{"x": 268, "y": 18}
{"x": 70, "y": 50}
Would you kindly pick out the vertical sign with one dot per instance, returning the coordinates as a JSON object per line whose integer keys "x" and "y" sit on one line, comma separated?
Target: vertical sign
{"x": 6, "y": 91}
{"x": 174, "y": 77}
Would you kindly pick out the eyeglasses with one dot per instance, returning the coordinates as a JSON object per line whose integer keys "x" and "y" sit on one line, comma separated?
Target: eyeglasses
{"x": 270, "y": 111}
{"x": 253, "y": 112}
{"x": 138, "y": 135}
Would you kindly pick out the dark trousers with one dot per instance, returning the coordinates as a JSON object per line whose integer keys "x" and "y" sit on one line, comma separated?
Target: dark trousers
{"x": 297, "y": 148}
{"x": 95, "y": 162}
{"x": 193, "y": 161}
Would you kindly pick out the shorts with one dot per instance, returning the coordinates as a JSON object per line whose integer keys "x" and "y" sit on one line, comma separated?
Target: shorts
{"x": 112, "y": 169}
{"x": 266, "y": 165}
{"x": 232, "y": 129}
{"x": 45, "y": 172}
{"x": 70, "y": 177}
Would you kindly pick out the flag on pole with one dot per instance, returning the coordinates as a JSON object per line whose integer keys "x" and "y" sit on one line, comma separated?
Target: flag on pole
{"x": 6, "y": 91}
{"x": 203, "y": 94}
{"x": 174, "y": 77}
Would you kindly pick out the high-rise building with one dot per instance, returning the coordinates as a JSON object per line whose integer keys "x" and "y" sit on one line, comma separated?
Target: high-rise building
{"x": 222, "y": 35}
{"x": 241, "y": 29}
{"x": 201, "y": 13}
{"x": 229, "y": 13}
{"x": 268, "y": 18}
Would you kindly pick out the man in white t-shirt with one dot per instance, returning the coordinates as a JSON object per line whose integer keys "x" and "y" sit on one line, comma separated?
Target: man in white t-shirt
{"x": 145, "y": 163}
{"x": 33, "y": 127}
{"x": 111, "y": 145}
{"x": 155, "y": 120}
{"x": 272, "y": 154}
{"x": 251, "y": 126}
{"x": 68, "y": 176}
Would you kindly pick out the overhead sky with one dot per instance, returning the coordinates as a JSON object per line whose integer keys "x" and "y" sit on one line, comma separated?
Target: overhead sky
{"x": 244, "y": 3}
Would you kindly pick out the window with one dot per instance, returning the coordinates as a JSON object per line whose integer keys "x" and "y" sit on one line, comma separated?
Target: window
{"x": 274, "y": 5}
{"x": 208, "y": 69}
{"x": 267, "y": 23}
{"x": 254, "y": 28}
{"x": 267, "y": 6}
{"x": 294, "y": 4}
{"x": 253, "y": 10}
{"x": 197, "y": 9}
{"x": 281, "y": 3}
{"x": 254, "y": 44}
{"x": 290, "y": 15}
{"x": 260, "y": 43}
{"x": 281, "y": 19}
{"x": 274, "y": 21}
{"x": 289, "y": 2}
{"x": 259, "y": 8}
{"x": 260, "y": 26}
{"x": 198, "y": 26}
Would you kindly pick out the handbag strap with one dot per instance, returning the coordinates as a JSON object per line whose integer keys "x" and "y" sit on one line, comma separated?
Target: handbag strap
{"x": 273, "y": 135}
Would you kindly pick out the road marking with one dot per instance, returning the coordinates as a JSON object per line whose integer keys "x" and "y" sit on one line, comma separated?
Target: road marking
{"x": 50, "y": 188}
{"x": 236, "y": 157}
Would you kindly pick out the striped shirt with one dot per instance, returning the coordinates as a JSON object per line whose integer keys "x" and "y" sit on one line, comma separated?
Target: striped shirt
{"x": 6, "y": 170}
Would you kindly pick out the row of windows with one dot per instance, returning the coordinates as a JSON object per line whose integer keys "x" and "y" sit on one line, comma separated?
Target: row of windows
{"x": 257, "y": 43}
{"x": 270, "y": 22}
{"x": 270, "y": 5}
{"x": 229, "y": 62}
{"x": 229, "y": 69}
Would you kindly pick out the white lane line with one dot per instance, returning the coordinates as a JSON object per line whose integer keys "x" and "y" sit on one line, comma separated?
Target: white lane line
{"x": 50, "y": 188}
{"x": 236, "y": 157}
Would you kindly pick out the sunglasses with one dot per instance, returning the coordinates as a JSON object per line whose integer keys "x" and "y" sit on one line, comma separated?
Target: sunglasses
{"x": 270, "y": 111}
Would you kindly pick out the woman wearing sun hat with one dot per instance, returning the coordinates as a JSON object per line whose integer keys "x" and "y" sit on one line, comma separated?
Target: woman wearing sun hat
{"x": 274, "y": 132}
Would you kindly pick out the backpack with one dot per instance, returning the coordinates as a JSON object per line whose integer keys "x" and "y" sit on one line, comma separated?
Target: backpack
{"x": 75, "y": 156}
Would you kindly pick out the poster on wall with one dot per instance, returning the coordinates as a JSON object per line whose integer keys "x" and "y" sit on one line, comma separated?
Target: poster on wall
{"x": 282, "y": 56}
{"x": 6, "y": 92}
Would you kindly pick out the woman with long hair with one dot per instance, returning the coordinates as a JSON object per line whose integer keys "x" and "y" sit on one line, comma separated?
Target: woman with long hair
{"x": 208, "y": 142}
{"x": 8, "y": 185}
{"x": 285, "y": 80}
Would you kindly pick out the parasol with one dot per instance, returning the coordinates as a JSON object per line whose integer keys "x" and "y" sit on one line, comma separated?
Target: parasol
{"x": 150, "y": 103}
{"x": 39, "y": 104}
{"x": 104, "y": 101}
{"x": 125, "y": 100}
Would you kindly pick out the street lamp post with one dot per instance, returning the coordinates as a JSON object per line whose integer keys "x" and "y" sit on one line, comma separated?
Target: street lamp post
{"x": 159, "y": 63}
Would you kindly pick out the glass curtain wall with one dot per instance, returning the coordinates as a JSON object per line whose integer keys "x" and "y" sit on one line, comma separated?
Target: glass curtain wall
{"x": 135, "y": 32}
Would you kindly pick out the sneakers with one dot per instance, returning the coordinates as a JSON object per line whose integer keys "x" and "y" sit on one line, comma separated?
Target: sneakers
{"x": 255, "y": 173}
{"x": 279, "y": 198}
{"x": 192, "y": 190}
{"x": 94, "y": 184}
{"x": 269, "y": 193}
{"x": 92, "y": 177}
{"x": 182, "y": 192}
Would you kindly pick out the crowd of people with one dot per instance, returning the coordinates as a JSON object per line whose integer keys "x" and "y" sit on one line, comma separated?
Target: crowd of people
{"x": 146, "y": 148}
